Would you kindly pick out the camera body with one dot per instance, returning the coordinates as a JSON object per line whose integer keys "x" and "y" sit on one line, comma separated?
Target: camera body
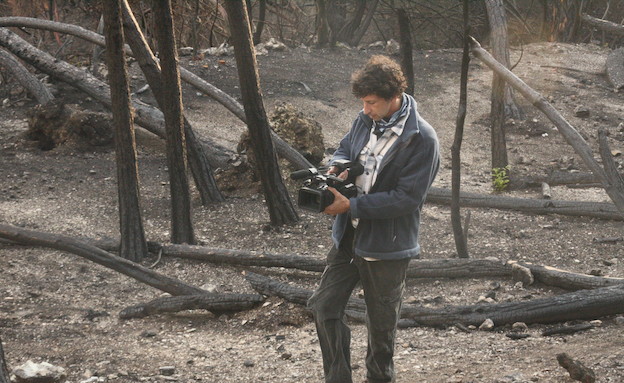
{"x": 314, "y": 195}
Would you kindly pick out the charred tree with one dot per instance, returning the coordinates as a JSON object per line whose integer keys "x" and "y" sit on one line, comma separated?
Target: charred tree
{"x": 181, "y": 220}
{"x": 461, "y": 243}
{"x": 407, "y": 59}
{"x": 281, "y": 210}
{"x": 26, "y": 79}
{"x": 322, "y": 26}
{"x": 582, "y": 304}
{"x": 133, "y": 243}
{"x": 99, "y": 256}
{"x": 257, "y": 36}
{"x": 503, "y": 105}
{"x": 198, "y": 160}
{"x": 215, "y": 303}
{"x": 4, "y": 370}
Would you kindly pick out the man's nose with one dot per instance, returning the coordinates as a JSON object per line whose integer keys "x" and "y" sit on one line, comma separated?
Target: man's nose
{"x": 366, "y": 109}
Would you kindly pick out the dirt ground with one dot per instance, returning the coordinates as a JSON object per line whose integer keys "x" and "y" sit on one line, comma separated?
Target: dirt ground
{"x": 60, "y": 308}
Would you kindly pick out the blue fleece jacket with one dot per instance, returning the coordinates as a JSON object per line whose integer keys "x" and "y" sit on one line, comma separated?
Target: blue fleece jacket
{"x": 389, "y": 215}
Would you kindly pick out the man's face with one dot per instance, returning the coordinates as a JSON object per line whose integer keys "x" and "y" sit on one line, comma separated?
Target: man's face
{"x": 377, "y": 108}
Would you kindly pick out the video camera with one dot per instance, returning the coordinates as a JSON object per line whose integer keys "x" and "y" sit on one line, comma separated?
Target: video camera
{"x": 314, "y": 196}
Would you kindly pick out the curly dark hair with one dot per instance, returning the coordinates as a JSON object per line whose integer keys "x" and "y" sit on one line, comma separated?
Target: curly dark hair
{"x": 381, "y": 76}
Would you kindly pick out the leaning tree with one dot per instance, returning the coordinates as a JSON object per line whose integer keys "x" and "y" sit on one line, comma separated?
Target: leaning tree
{"x": 281, "y": 209}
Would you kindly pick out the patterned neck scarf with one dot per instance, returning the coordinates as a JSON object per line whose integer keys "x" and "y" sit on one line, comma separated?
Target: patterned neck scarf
{"x": 380, "y": 126}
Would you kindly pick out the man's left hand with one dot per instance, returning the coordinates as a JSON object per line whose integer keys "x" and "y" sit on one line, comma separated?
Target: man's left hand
{"x": 340, "y": 205}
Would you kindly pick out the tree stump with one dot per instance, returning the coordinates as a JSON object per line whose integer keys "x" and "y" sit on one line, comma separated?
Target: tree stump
{"x": 56, "y": 123}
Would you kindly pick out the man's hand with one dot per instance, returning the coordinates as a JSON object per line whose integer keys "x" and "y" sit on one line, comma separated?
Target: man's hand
{"x": 340, "y": 205}
{"x": 334, "y": 169}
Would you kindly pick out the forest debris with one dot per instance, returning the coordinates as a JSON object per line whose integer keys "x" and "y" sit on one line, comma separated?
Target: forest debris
{"x": 610, "y": 240}
{"x": 576, "y": 369}
{"x": 567, "y": 329}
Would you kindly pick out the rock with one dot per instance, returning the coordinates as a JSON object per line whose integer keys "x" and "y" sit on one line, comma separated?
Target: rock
{"x": 487, "y": 325}
{"x": 167, "y": 370}
{"x": 615, "y": 68}
{"x": 249, "y": 363}
{"x": 619, "y": 321}
{"x": 522, "y": 274}
{"x": 274, "y": 45}
{"x": 392, "y": 47}
{"x": 581, "y": 111}
{"x": 596, "y": 323}
{"x": 519, "y": 327}
{"x": 44, "y": 372}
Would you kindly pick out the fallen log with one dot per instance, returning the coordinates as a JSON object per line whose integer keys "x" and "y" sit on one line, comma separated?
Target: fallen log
{"x": 567, "y": 329}
{"x": 603, "y": 25}
{"x": 36, "y": 89}
{"x": 97, "y": 255}
{"x": 600, "y": 210}
{"x": 146, "y": 116}
{"x": 282, "y": 147}
{"x": 567, "y": 280}
{"x": 554, "y": 178}
{"x": 583, "y": 304}
{"x": 571, "y": 135}
{"x": 215, "y": 303}
{"x": 418, "y": 268}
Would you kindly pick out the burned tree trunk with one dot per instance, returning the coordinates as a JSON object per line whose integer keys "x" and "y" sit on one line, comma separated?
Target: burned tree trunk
{"x": 25, "y": 78}
{"x": 97, "y": 255}
{"x": 215, "y": 303}
{"x": 461, "y": 243}
{"x": 198, "y": 161}
{"x": 257, "y": 37}
{"x": 600, "y": 210}
{"x": 4, "y": 369}
{"x": 583, "y": 304}
{"x": 181, "y": 220}
{"x": 133, "y": 243}
{"x": 407, "y": 60}
{"x": 281, "y": 210}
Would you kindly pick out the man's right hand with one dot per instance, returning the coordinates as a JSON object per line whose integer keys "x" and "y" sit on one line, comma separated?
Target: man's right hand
{"x": 334, "y": 169}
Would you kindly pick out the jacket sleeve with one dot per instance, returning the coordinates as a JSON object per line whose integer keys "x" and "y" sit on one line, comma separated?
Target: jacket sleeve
{"x": 410, "y": 190}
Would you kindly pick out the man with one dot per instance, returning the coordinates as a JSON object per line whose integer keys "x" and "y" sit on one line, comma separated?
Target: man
{"x": 375, "y": 234}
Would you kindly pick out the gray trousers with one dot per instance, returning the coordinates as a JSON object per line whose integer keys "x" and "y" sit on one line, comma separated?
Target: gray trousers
{"x": 383, "y": 283}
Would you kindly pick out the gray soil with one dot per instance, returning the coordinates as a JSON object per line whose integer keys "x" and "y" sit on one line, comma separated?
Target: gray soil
{"x": 60, "y": 308}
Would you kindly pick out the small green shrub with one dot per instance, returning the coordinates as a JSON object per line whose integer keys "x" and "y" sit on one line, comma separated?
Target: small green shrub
{"x": 500, "y": 178}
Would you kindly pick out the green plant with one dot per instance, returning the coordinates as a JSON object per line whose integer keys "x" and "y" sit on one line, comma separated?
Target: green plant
{"x": 500, "y": 178}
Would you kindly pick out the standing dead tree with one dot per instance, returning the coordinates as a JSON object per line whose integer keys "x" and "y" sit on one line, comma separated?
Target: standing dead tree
{"x": 461, "y": 243}
{"x": 568, "y": 132}
{"x": 181, "y": 220}
{"x": 200, "y": 167}
{"x": 281, "y": 210}
{"x": 4, "y": 370}
{"x": 133, "y": 243}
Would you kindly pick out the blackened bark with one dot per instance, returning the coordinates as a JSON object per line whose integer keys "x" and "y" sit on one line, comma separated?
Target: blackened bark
{"x": 4, "y": 370}
{"x": 281, "y": 210}
{"x": 257, "y": 37}
{"x": 498, "y": 37}
{"x": 99, "y": 256}
{"x": 28, "y": 80}
{"x": 181, "y": 222}
{"x": 213, "y": 302}
{"x": 198, "y": 161}
{"x": 322, "y": 26}
{"x": 407, "y": 60}
{"x": 461, "y": 243}
{"x": 133, "y": 243}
